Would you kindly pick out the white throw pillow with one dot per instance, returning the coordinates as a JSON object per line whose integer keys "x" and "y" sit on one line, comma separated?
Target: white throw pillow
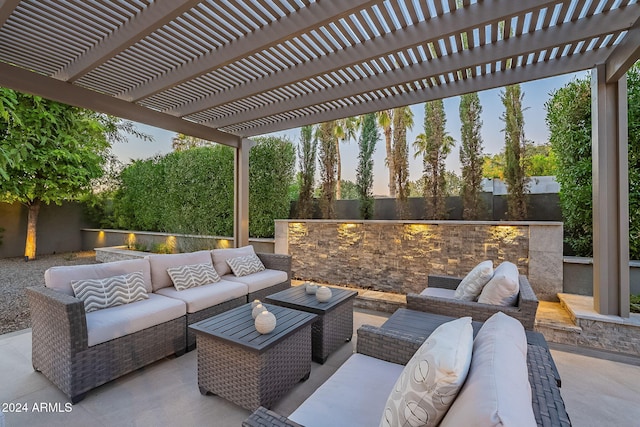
{"x": 503, "y": 288}
{"x": 431, "y": 380}
{"x": 97, "y": 294}
{"x": 245, "y": 265}
{"x": 472, "y": 284}
{"x": 497, "y": 390}
{"x": 193, "y": 275}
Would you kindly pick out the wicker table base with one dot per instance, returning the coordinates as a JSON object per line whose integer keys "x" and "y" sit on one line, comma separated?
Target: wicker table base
{"x": 253, "y": 377}
{"x": 334, "y": 325}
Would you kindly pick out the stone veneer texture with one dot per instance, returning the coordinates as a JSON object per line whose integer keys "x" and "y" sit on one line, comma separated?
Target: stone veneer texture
{"x": 398, "y": 257}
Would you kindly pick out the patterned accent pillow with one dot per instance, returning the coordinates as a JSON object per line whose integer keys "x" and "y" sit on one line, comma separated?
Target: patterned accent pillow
{"x": 193, "y": 275}
{"x": 245, "y": 265}
{"x": 431, "y": 380}
{"x": 97, "y": 294}
{"x": 472, "y": 284}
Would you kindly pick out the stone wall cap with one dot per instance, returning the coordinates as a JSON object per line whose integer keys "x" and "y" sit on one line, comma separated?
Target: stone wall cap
{"x": 434, "y": 222}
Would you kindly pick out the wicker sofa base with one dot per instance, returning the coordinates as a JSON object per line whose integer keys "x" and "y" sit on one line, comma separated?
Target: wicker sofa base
{"x": 76, "y": 374}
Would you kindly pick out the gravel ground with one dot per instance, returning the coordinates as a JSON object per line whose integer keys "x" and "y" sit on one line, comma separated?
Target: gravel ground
{"x": 16, "y": 275}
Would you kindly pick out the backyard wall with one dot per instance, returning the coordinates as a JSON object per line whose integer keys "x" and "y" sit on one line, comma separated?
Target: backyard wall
{"x": 397, "y": 256}
{"x": 58, "y": 229}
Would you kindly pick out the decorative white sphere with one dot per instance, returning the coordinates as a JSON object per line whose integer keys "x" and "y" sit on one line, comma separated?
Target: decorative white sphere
{"x": 311, "y": 287}
{"x": 254, "y": 303}
{"x": 265, "y": 322}
{"x": 323, "y": 294}
{"x": 257, "y": 310}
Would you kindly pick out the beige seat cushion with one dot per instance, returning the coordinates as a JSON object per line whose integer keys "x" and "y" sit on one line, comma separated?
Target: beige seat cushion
{"x": 353, "y": 396}
{"x": 503, "y": 288}
{"x": 115, "y": 322}
{"x": 206, "y": 296}
{"x": 439, "y": 293}
{"x": 472, "y": 284}
{"x": 432, "y": 378}
{"x": 260, "y": 280}
{"x": 497, "y": 390}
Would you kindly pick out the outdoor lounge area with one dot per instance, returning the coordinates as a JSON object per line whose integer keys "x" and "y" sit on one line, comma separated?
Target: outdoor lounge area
{"x": 595, "y": 390}
{"x": 229, "y": 71}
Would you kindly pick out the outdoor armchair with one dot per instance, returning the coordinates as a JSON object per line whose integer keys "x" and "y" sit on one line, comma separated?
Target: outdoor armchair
{"x": 524, "y": 310}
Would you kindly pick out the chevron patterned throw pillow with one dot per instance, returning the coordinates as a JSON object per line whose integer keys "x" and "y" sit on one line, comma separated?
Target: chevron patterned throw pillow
{"x": 245, "y": 265}
{"x": 193, "y": 275}
{"x": 97, "y": 294}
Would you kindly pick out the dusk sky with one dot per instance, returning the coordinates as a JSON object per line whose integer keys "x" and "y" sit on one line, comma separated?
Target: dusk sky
{"x": 536, "y": 94}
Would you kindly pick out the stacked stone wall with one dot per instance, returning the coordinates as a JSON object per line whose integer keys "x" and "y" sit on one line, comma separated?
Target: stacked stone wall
{"x": 397, "y": 256}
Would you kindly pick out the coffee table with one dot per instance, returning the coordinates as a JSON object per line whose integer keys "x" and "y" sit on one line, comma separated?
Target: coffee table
{"x": 239, "y": 364}
{"x": 334, "y": 325}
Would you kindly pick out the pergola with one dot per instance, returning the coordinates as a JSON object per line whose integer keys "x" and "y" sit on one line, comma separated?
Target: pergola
{"x": 227, "y": 70}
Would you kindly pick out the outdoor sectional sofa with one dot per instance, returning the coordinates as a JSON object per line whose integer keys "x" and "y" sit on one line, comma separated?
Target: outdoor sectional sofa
{"x": 79, "y": 350}
{"x": 356, "y": 394}
{"x": 438, "y": 298}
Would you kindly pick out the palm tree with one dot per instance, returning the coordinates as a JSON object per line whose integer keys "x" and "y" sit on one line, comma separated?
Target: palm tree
{"x": 345, "y": 130}
{"x": 402, "y": 120}
{"x": 385, "y": 118}
{"x": 434, "y": 145}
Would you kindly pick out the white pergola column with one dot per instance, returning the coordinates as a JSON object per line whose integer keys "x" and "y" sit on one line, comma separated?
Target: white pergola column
{"x": 610, "y": 194}
{"x": 241, "y": 193}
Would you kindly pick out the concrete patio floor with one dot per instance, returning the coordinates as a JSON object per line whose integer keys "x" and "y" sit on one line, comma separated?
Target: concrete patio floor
{"x": 596, "y": 391}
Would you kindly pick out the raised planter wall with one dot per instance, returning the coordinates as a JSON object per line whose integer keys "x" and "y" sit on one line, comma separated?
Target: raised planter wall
{"x": 397, "y": 256}
{"x": 98, "y": 238}
{"x": 578, "y": 276}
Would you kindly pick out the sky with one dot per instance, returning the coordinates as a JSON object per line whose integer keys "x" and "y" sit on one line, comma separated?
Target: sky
{"x": 536, "y": 94}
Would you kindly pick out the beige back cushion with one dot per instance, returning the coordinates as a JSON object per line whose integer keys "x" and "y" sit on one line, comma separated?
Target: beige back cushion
{"x": 503, "y": 288}
{"x": 60, "y": 277}
{"x": 220, "y": 257}
{"x": 497, "y": 390}
{"x": 159, "y": 264}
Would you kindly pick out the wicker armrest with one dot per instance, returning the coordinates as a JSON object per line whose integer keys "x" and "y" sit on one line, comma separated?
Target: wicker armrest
{"x": 387, "y": 344}
{"x": 548, "y": 406}
{"x": 58, "y": 318}
{"x": 446, "y": 282}
{"x": 263, "y": 417}
{"x": 276, "y": 262}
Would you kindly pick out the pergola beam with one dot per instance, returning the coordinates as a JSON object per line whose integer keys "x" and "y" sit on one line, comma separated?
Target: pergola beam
{"x": 479, "y": 83}
{"x": 150, "y": 19}
{"x": 450, "y": 24}
{"x": 610, "y": 194}
{"x": 513, "y": 47}
{"x": 6, "y": 8}
{"x": 29, "y": 82}
{"x": 315, "y": 15}
{"x": 625, "y": 55}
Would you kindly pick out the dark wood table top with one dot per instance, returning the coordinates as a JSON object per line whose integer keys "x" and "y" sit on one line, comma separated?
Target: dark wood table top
{"x": 296, "y": 297}
{"x": 237, "y": 326}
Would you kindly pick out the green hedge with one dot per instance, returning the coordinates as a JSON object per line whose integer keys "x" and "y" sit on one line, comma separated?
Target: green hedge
{"x": 569, "y": 121}
{"x": 191, "y": 191}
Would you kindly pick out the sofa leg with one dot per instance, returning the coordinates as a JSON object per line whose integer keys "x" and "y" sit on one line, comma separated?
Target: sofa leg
{"x": 181, "y": 352}
{"x": 205, "y": 392}
{"x": 191, "y": 347}
{"x": 306, "y": 376}
{"x": 78, "y": 397}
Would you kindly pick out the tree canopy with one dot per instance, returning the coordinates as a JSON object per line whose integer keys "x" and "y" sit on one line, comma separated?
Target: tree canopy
{"x": 53, "y": 152}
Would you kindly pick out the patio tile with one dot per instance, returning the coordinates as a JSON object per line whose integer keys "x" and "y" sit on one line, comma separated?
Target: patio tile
{"x": 596, "y": 391}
